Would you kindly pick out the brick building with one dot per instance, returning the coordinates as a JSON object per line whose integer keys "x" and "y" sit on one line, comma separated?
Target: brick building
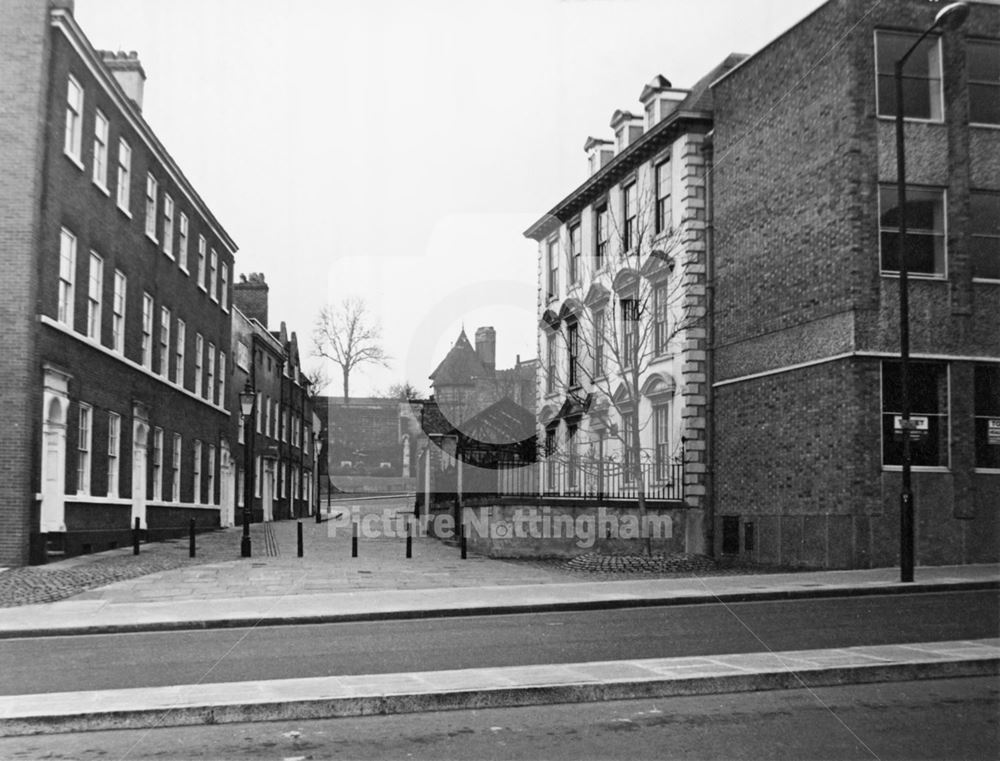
{"x": 806, "y": 328}
{"x": 284, "y": 447}
{"x": 113, "y": 383}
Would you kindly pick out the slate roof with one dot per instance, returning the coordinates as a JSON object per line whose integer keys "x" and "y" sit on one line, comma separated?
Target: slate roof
{"x": 461, "y": 365}
{"x": 504, "y": 422}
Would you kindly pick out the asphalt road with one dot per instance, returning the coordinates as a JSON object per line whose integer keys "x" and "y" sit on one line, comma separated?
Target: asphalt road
{"x": 55, "y": 664}
{"x": 936, "y": 719}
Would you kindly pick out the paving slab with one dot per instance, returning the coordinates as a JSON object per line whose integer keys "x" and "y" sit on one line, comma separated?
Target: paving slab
{"x": 259, "y": 606}
{"x": 337, "y": 696}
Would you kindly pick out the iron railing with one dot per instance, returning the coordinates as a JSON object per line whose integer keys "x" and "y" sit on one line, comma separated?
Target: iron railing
{"x": 591, "y": 479}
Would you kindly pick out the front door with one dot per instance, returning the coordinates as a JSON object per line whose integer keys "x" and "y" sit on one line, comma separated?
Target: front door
{"x": 53, "y": 511}
{"x": 267, "y": 490}
{"x": 140, "y": 432}
{"x": 227, "y": 504}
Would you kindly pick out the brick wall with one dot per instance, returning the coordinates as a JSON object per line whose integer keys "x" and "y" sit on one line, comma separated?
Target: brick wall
{"x": 799, "y": 155}
{"x": 24, "y": 54}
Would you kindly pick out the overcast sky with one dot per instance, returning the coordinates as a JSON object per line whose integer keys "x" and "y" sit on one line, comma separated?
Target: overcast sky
{"x": 397, "y": 150}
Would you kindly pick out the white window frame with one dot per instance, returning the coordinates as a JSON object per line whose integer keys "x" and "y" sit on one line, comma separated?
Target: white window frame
{"x": 66, "y": 306}
{"x": 175, "y": 469}
{"x": 222, "y": 379}
{"x": 182, "y": 248}
{"x": 211, "y": 475}
{"x": 165, "y": 352}
{"x": 99, "y": 171}
{"x": 152, "y": 191}
{"x": 912, "y": 191}
{"x": 210, "y": 374}
{"x": 157, "y": 464}
{"x": 114, "y": 452}
{"x": 95, "y": 289}
{"x": 199, "y": 360}
{"x": 73, "y": 139}
{"x": 202, "y": 254}
{"x": 213, "y": 275}
{"x": 179, "y": 339}
{"x": 168, "y": 225}
{"x": 84, "y": 438}
{"x": 196, "y": 472}
{"x": 258, "y": 466}
{"x": 980, "y": 231}
{"x": 147, "y": 332}
{"x": 118, "y": 305}
{"x": 980, "y": 82}
{"x": 123, "y": 188}
{"x": 936, "y": 98}
{"x": 224, "y": 287}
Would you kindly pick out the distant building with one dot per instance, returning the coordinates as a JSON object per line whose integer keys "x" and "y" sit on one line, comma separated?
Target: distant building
{"x": 116, "y": 305}
{"x": 467, "y": 380}
{"x": 284, "y": 446}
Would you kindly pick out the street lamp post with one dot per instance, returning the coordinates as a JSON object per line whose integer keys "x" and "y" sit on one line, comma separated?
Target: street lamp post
{"x": 951, "y": 16}
{"x": 247, "y": 399}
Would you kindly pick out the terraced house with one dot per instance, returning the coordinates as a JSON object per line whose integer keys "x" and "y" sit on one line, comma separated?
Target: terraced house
{"x": 116, "y": 304}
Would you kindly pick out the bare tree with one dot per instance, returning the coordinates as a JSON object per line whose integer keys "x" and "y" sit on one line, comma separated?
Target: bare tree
{"x": 348, "y": 337}
{"x": 404, "y": 391}
{"x": 318, "y": 380}
{"x": 610, "y": 343}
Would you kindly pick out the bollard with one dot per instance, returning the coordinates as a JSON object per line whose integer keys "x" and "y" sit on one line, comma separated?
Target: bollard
{"x": 319, "y": 517}
{"x": 191, "y": 539}
{"x": 354, "y": 540}
{"x": 463, "y": 542}
{"x": 300, "y": 539}
{"x": 135, "y": 538}
{"x": 409, "y": 539}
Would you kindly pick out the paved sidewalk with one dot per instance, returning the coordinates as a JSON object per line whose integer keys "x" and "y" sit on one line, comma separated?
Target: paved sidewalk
{"x": 219, "y": 588}
{"x": 337, "y": 696}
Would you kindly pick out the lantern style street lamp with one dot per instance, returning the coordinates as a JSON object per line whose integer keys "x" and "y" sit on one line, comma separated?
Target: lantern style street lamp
{"x": 951, "y": 16}
{"x": 247, "y": 399}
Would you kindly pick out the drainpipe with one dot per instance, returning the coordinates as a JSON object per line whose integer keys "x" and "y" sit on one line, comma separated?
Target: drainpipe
{"x": 708, "y": 149}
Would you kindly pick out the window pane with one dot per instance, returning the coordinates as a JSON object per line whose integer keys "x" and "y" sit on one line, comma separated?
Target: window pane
{"x": 988, "y": 390}
{"x": 983, "y": 60}
{"x": 985, "y": 257}
{"x": 984, "y": 104}
{"x": 921, "y": 80}
{"x": 928, "y": 399}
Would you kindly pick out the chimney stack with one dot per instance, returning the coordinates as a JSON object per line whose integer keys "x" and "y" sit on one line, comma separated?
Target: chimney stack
{"x": 250, "y": 296}
{"x": 486, "y": 348}
{"x": 128, "y": 70}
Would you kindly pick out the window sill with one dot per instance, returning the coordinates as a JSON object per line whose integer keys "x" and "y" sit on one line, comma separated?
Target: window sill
{"x": 102, "y": 188}
{"x": 75, "y": 160}
{"x": 152, "y": 238}
{"x": 917, "y": 469}
{"x": 987, "y": 471}
{"x": 986, "y": 280}
{"x": 169, "y": 255}
{"x": 124, "y": 210}
{"x": 984, "y": 125}
{"x": 913, "y": 119}
{"x": 894, "y": 274}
